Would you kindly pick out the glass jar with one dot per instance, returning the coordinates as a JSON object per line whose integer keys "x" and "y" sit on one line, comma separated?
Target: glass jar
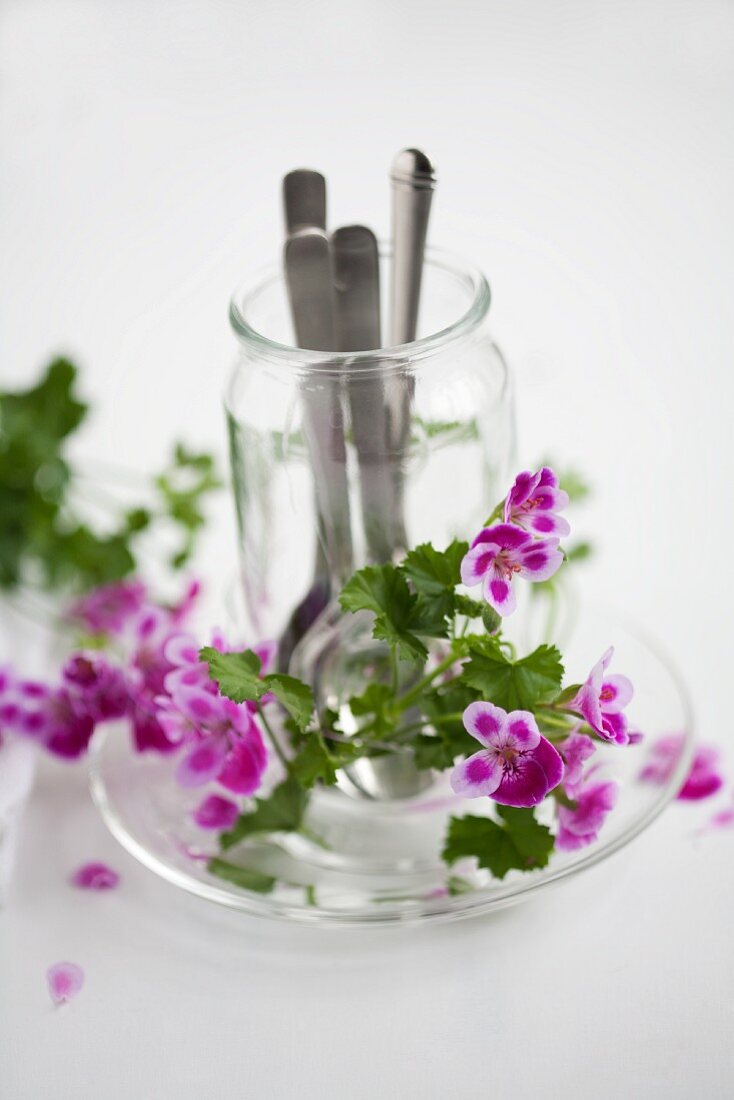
{"x": 315, "y": 497}
{"x": 344, "y": 459}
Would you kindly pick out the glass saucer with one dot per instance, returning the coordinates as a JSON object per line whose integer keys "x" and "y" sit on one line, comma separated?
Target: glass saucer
{"x": 364, "y": 862}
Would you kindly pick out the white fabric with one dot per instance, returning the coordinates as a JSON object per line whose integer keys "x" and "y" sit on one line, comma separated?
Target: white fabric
{"x": 586, "y": 161}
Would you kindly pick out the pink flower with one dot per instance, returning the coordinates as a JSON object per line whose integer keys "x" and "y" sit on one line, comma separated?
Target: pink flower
{"x": 223, "y": 742}
{"x": 56, "y": 718}
{"x": 516, "y": 767}
{"x": 601, "y": 700}
{"x": 580, "y": 826}
{"x": 534, "y": 500}
{"x": 101, "y": 687}
{"x": 64, "y": 979}
{"x": 216, "y": 812}
{"x": 107, "y": 609}
{"x": 182, "y": 651}
{"x": 498, "y": 553}
{"x": 95, "y": 876}
{"x": 575, "y": 751}
{"x": 704, "y": 777}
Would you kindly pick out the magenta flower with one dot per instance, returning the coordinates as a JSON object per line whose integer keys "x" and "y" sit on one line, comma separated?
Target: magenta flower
{"x": 498, "y": 553}
{"x": 56, "y": 718}
{"x": 534, "y": 501}
{"x": 182, "y": 651}
{"x": 575, "y": 751}
{"x": 580, "y": 825}
{"x": 601, "y": 701}
{"x": 65, "y": 980}
{"x": 216, "y": 812}
{"x": 704, "y": 777}
{"x": 95, "y": 876}
{"x": 100, "y": 687}
{"x": 516, "y": 767}
{"x": 223, "y": 742}
{"x": 108, "y": 609}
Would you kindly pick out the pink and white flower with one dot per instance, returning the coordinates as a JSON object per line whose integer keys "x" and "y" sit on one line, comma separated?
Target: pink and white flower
{"x": 222, "y": 741}
{"x": 575, "y": 751}
{"x": 534, "y": 501}
{"x": 580, "y": 825}
{"x": 601, "y": 700}
{"x": 500, "y": 553}
{"x": 704, "y": 777}
{"x": 216, "y": 812}
{"x": 516, "y": 766}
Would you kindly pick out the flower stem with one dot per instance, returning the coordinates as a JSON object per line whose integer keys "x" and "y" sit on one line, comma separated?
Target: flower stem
{"x": 416, "y": 691}
{"x": 273, "y": 739}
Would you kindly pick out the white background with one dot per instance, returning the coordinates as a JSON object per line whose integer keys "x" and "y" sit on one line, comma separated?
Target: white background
{"x": 586, "y": 158}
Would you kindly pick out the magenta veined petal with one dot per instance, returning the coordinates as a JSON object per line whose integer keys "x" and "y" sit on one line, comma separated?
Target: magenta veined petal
{"x": 523, "y": 730}
{"x": 65, "y": 980}
{"x": 95, "y": 876}
{"x": 540, "y": 560}
{"x": 534, "y": 775}
{"x": 181, "y": 650}
{"x": 476, "y": 563}
{"x": 216, "y": 812}
{"x": 498, "y": 593}
{"x": 202, "y": 763}
{"x": 485, "y": 722}
{"x": 243, "y": 768}
{"x": 505, "y": 536}
{"x": 616, "y": 692}
{"x": 478, "y": 775}
{"x": 548, "y": 523}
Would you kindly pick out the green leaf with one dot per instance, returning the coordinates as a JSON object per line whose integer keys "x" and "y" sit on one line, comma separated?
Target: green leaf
{"x": 513, "y": 685}
{"x": 295, "y": 696}
{"x": 443, "y": 708}
{"x": 374, "y": 703}
{"x": 241, "y": 876}
{"x": 580, "y": 551}
{"x": 433, "y": 571}
{"x": 399, "y": 616}
{"x": 282, "y": 812}
{"x": 313, "y": 764}
{"x": 238, "y": 674}
{"x": 518, "y": 842}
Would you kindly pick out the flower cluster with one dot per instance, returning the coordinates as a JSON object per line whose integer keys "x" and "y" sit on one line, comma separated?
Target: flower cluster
{"x": 525, "y": 544}
{"x": 158, "y": 685}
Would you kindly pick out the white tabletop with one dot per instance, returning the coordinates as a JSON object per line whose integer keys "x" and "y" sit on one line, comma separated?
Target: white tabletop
{"x": 586, "y": 150}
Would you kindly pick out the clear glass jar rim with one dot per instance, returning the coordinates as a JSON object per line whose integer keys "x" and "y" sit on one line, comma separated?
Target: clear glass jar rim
{"x": 464, "y": 325}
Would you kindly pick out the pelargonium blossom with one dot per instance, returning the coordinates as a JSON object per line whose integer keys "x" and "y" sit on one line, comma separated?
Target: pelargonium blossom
{"x": 534, "y": 501}
{"x": 704, "y": 777}
{"x": 501, "y": 552}
{"x": 601, "y": 700}
{"x": 222, "y": 742}
{"x": 108, "y": 608}
{"x": 56, "y": 718}
{"x": 579, "y": 825}
{"x": 182, "y": 652}
{"x": 517, "y": 766}
{"x": 575, "y": 751}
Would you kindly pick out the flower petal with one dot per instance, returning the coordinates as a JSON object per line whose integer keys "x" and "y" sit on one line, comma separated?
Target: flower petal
{"x": 507, "y": 536}
{"x": 216, "y": 812}
{"x": 181, "y": 650}
{"x": 478, "y": 775}
{"x": 64, "y": 979}
{"x": 523, "y": 729}
{"x": 244, "y": 765}
{"x": 540, "y": 560}
{"x": 476, "y": 563}
{"x": 485, "y": 722}
{"x": 532, "y": 777}
{"x": 616, "y": 693}
{"x": 95, "y": 876}
{"x": 498, "y": 593}
{"x": 202, "y": 763}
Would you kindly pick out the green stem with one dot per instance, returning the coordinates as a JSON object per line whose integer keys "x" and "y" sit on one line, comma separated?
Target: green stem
{"x": 273, "y": 739}
{"x": 417, "y": 690}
